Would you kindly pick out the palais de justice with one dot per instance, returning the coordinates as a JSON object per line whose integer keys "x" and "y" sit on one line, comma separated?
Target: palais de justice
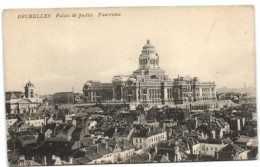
{"x": 150, "y": 85}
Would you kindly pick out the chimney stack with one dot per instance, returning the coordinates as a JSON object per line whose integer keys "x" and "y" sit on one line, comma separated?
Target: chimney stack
{"x": 93, "y": 141}
{"x": 167, "y": 156}
{"x": 70, "y": 160}
{"x": 44, "y": 161}
{"x": 21, "y": 160}
{"x": 149, "y": 156}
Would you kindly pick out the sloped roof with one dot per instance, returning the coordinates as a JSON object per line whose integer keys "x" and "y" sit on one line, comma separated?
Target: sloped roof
{"x": 76, "y": 133}
{"x": 87, "y": 141}
{"x": 24, "y": 101}
{"x": 232, "y": 148}
{"x": 81, "y": 161}
{"x": 13, "y": 95}
{"x": 244, "y": 139}
{"x": 160, "y": 158}
{"x": 125, "y": 144}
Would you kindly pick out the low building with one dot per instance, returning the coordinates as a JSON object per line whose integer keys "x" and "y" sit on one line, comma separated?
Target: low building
{"x": 177, "y": 114}
{"x": 94, "y": 91}
{"x": 207, "y": 147}
{"x": 66, "y": 132}
{"x": 232, "y": 152}
{"x": 10, "y": 121}
{"x": 36, "y": 122}
{"x": 123, "y": 133}
{"x": 65, "y": 98}
{"x": 143, "y": 138}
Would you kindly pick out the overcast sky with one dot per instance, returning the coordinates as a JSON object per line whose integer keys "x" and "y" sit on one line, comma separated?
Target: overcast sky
{"x": 212, "y": 43}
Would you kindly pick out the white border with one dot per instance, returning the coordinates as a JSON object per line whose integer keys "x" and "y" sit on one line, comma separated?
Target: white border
{"x": 4, "y": 4}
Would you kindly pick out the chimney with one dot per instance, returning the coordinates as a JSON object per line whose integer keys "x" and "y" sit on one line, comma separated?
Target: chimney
{"x": 74, "y": 122}
{"x": 167, "y": 156}
{"x": 70, "y": 160}
{"x": 216, "y": 153}
{"x": 44, "y": 161}
{"x": 156, "y": 149}
{"x": 45, "y": 120}
{"x": 93, "y": 141}
{"x": 149, "y": 156}
{"x": 197, "y": 156}
{"x": 106, "y": 145}
{"x": 21, "y": 160}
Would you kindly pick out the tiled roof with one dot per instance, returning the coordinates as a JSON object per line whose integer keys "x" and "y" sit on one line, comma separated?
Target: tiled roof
{"x": 81, "y": 161}
{"x": 160, "y": 158}
{"x": 232, "y": 148}
{"x": 144, "y": 133}
{"x": 125, "y": 144}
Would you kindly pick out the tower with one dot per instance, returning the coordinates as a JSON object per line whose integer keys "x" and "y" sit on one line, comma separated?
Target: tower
{"x": 149, "y": 57}
{"x": 29, "y": 90}
{"x": 149, "y": 62}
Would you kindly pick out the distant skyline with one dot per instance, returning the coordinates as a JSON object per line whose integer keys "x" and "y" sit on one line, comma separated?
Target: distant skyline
{"x": 214, "y": 44}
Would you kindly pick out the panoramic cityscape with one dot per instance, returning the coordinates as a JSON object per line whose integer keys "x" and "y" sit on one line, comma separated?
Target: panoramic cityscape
{"x": 142, "y": 117}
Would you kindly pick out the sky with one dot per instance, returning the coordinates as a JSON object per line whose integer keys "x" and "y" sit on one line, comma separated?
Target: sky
{"x": 58, "y": 54}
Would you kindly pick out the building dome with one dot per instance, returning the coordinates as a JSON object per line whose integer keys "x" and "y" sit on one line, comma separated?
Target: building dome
{"x": 148, "y": 45}
{"x": 29, "y": 84}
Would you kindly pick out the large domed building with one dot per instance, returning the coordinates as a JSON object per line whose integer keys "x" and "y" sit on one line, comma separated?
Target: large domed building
{"x": 149, "y": 85}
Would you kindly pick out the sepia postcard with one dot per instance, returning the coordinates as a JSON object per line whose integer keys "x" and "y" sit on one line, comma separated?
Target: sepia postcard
{"x": 124, "y": 85}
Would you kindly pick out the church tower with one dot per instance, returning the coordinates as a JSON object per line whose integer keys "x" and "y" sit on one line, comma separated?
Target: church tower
{"x": 29, "y": 90}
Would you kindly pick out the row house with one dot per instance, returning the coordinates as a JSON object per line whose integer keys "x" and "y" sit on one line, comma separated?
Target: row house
{"x": 146, "y": 137}
{"x": 207, "y": 147}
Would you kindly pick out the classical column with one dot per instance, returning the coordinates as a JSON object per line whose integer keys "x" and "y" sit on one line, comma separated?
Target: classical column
{"x": 200, "y": 90}
{"x": 133, "y": 95}
{"x": 114, "y": 94}
{"x": 122, "y": 93}
{"x": 136, "y": 94}
{"x": 210, "y": 93}
{"x": 165, "y": 94}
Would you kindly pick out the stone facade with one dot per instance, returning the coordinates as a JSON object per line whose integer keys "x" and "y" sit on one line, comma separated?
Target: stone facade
{"x": 187, "y": 89}
{"x": 20, "y": 103}
{"x": 149, "y": 85}
{"x": 94, "y": 91}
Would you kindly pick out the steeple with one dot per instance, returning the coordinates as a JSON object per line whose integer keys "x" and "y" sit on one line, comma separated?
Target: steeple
{"x": 29, "y": 90}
